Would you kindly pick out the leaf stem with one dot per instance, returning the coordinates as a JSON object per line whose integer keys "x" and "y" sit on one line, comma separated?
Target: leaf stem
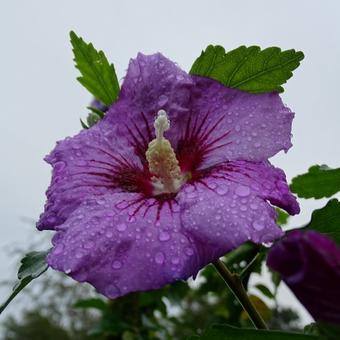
{"x": 234, "y": 282}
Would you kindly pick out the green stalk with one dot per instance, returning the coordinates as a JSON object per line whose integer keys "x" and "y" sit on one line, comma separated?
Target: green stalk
{"x": 234, "y": 282}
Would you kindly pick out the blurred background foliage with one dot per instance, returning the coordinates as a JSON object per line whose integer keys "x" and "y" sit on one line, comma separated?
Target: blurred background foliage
{"x": 58, "y": 308}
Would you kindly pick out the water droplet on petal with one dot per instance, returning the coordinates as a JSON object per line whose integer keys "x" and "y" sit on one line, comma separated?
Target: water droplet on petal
{"x": 58, "y": 249}
{"x": 116, "y": 264}
{"x": 162, "y": 100}
{"x": 112, "y": 291}
{"x": 222, "y": 189}
{"x": 109, "y": 234}
{"x": 89, "y": 245}
{"x": 159, "y": 258}
{"x": 175, "y": 260}
{"x": 253, "y": 206}
{"x": 189, "y": 251}
{"x": 237, "y": 128}
{"x": 59, "y": 166}
{"x": 121, "y": 227}
{"x": 242, "y": 191}
{"x": 164, "y": 236}
{"x": 258, "y": 225}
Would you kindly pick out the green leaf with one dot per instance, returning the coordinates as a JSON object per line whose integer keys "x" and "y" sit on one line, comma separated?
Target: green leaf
{"x": 318, "y": 182}
{"x": 98, "y": 112}
{"x": 265, "y": 291}
{"x": 83, "y": 125}
{"x": 276, "y": 279}
{"x": 32, "y": 266}
{"x": 226, "y": 332}
{"x": 92, "y": 119}
{"x": 97, "y": 74}
{"x": 92, "y": 303}
{"x": 325, "y": 331}
{"x": 329, "y": 331}
{"x": 327, "y": 220}
{"x": 248, "y": 68}
{"x": 282, "y": 217}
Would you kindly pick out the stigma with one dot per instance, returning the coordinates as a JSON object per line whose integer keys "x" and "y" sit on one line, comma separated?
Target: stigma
{"x": 163, "y": 164}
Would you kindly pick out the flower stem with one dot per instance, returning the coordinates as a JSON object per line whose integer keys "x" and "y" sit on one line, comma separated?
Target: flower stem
{"x": 234, "y": 282}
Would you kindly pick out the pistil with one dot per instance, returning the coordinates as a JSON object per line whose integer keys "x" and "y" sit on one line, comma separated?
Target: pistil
{"x": 163, "y": 164}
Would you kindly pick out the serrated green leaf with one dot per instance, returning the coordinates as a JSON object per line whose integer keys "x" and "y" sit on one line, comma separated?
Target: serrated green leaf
{"x": 32, "y": 266}
{"x": 248, "y": 68}
{"x": 318, "y": 182}
{"x": 265, "y": 291}
{"x": 327, "y": 220}
{"x": 226, "y": 332}
{"x": 97, "y": 74}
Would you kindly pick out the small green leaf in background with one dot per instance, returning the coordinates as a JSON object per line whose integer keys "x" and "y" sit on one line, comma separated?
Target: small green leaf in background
{"x": 318, "y": 182}
{"x": 327, "y": 220}
{"x": 94, "y": 303}
{"x": 248, "y": 68}
{"x": 282, "y": 217}
{"x": 32, "y": 266}
{"x": 226, "y": 332}
{"x": 265, "y": 291}
{"x": 97, "y": 74}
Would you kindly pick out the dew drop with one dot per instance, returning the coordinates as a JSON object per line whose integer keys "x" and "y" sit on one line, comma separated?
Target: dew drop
{"x": 112, "y": 291}
{"x": 253, "y": 206}
{"x": 222, "y": 190}
{"x": 258, "y": 225}
{"x": 189, "y": 251}
{"x": 109, "y": 234}
{"x": 212, "y": 185}
{"x": 237, "y": 128}
{"x": 164, "y": 236}
{"x": 159, "y": 258}
{"x": 59, "y": 166}
{"x": 89, "y": 245}
{"x": 116, "y": 264}
{"x": 162, "y": 100}
{"x": 58, "y": 249}
{"x": 175, "y": 260}
{"x": 242, "y": 191}
{"x": 121, "y": 227}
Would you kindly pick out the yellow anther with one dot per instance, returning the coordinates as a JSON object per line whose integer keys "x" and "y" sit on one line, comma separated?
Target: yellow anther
{"x": 162, "y": 160}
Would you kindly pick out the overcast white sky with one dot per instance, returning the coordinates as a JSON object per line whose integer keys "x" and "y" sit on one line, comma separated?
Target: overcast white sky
{"x": 41, "y": 101}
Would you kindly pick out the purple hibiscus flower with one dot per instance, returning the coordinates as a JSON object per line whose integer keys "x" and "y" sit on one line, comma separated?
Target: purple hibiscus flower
{"x": 172, "y": 178}
{"x": 309, "y": 263}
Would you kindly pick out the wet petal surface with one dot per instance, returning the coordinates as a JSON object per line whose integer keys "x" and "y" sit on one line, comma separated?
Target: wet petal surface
{"x": 121, "y": 243}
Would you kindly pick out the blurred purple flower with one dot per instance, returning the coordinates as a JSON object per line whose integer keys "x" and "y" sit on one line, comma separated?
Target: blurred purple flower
{"x": 309, "y": 264}
{"x": 133, "y": 212}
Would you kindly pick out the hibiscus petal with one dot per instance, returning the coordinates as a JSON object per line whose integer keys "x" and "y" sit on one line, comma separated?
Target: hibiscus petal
{"x": 153, "y": 82}
{"x": 123, "y": 243}
{"x": 309, "y": 263}
{"x": 246, "y": 126}
{"x": 229, "y": 207}
{"x": 83, "y": 166}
